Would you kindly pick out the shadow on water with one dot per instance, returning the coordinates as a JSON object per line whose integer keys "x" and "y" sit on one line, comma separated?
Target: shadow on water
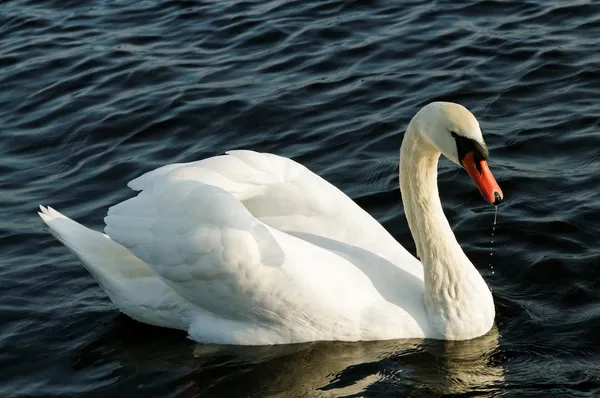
{"x": 141, "y": 357}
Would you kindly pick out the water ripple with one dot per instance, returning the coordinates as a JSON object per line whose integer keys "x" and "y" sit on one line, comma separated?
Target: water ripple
{"x": 95, "y": 93}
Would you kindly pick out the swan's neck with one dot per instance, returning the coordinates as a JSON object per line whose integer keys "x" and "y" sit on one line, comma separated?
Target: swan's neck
{"x": 458, "y": 301}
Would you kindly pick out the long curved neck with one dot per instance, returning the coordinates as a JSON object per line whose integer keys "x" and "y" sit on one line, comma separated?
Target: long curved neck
{"x": 458, "y": 301}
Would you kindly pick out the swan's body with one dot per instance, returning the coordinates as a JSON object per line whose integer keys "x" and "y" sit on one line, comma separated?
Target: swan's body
{"x": 251, "y": 248}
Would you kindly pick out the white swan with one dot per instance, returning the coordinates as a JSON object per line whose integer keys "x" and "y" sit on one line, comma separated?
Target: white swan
{"x": 252, "y": 248}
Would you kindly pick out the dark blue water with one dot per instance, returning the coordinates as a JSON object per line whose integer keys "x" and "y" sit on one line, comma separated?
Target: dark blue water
{"x": 94, "y": 93}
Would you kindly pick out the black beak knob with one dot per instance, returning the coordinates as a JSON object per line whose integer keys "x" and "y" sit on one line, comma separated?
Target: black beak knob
{"x": 498, "y": 199}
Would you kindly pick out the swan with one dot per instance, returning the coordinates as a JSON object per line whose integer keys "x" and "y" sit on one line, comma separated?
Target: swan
{"x": 252, "y": 248}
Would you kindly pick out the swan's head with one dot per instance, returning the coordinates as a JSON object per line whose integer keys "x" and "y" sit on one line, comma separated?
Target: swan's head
{"x": 455, "y": 132}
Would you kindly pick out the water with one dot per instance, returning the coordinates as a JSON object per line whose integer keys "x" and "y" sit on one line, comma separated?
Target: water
{"x": 95, "y": 93}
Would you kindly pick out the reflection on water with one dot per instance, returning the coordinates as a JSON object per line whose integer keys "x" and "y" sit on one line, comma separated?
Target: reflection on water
{"x": 323, "y": 369}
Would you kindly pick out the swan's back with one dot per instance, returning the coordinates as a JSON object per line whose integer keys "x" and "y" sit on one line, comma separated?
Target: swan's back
{"x": 288, "y": 197}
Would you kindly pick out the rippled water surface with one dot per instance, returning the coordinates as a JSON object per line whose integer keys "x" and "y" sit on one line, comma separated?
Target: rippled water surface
{"x": 94, "y": 93}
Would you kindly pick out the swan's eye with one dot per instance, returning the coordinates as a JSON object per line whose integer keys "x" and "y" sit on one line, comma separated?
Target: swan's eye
{"x": 466, "y": 145}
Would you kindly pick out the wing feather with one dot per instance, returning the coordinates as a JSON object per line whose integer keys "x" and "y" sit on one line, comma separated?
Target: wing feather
{"x": 288, "y": 197}
{"x": 214, "y": 230}
{"x": 192, "y": 234}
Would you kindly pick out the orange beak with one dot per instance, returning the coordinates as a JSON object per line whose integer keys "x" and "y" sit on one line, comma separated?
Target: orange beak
{"x": 483, "y": 178}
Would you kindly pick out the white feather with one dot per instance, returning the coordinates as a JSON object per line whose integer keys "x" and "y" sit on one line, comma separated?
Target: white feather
{"x": 253, "y": 248}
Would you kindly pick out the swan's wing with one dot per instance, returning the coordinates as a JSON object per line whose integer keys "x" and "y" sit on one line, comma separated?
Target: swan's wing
{"x": 199, "y": 239}
{"x": 287, "y": 196}
{"x": 206, "y": 245}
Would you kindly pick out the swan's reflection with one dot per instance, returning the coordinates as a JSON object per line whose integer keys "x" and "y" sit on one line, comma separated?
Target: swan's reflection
{"x": 322, "y": 369}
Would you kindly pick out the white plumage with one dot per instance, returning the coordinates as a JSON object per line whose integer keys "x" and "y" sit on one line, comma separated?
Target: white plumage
{"x": 253, "y": 248}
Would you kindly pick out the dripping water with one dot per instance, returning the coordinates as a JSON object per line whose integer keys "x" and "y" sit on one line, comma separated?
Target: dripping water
{"x": 491, "y": 265}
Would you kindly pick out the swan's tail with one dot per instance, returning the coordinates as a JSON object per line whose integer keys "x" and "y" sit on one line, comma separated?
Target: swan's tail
{"x": 129, "y": 282}
{"x": 70, "y": 233}
{"x": 106, "y": 260}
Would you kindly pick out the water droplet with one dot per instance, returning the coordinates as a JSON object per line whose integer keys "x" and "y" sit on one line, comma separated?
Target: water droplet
{"x": 492, "y": 241}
